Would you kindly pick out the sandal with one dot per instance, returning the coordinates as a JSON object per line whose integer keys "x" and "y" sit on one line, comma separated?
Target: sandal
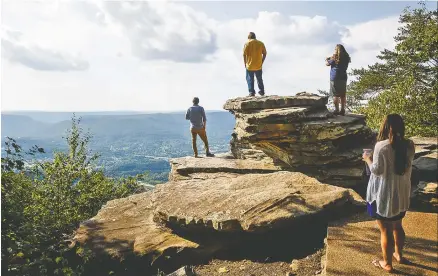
{"x": 377, "y": 264}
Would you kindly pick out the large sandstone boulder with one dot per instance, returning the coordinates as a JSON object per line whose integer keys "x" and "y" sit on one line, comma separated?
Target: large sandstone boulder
{"x": 221, "y": 166}
{"x": 125, "y": 227}
{"x": 424, "y": 145}
{"x": 251, "y": 202}
{"x": 299, "y": 133}
{"x": 426, "y": 167}
{"x": 426, "y": 195}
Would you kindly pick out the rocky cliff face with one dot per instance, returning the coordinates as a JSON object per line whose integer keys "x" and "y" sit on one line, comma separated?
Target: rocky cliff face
{"x": 298, "y": 133}
{"x": 260, "y": 201}
{"x": 192, "y": 219}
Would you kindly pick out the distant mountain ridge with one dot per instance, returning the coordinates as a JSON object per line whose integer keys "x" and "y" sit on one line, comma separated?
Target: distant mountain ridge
{"x": 108, "y": 124}
{"x": 128, "y": 144}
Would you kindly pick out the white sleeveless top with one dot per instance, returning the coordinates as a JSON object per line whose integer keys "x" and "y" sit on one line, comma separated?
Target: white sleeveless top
{"x": 390, "y": 191}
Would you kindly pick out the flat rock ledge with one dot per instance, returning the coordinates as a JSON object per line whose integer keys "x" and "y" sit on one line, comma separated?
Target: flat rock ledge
{"x": 251, "y": 202}
{"x": 185, "y": 168}
{"x": 250, "y": 103}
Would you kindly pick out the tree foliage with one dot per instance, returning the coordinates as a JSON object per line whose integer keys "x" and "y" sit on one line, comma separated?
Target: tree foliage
{"x": 404, "y": 81}
{"x": 43, "y": 203}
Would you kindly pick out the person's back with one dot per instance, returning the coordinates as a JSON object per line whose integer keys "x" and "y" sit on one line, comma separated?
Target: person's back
{"x": 198, "y": 123}
{"x": 338, "y": 77}
{"x": 254, "y": 54}
{"x": 196, "y": 115}
{"x": 387, "y": 186}
{"x": 253, "y": 51}
{"x": 338, "y": 71}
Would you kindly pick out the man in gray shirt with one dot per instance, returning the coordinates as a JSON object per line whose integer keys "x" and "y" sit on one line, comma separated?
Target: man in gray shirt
{"x": 198, "y": 121}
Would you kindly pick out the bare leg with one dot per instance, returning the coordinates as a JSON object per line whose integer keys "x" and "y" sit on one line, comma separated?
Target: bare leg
{"x": 343, "y": 102}
{"x": 399, "y": 238}
{"x": 387, "y": 243}
{"x": 336, "y": 103}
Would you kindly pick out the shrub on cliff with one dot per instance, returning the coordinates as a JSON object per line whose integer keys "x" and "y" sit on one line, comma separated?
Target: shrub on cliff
{"x": 43, "y": 203}
{"x": 405, "y": 80}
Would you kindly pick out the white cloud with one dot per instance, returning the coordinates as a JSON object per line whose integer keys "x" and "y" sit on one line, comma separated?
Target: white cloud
{"x": 366, "y": 40}
{"x": 16, "y": 49}
{"x": 373, "y": 35}
{"x": 158, "y": 55}
{"x": 164, "y": 31}
{"x": 278, "y": 29}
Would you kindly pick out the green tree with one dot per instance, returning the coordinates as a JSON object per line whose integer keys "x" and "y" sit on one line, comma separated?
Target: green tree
{"x": 404, "y": 81}
{"x": 42, "y": 204}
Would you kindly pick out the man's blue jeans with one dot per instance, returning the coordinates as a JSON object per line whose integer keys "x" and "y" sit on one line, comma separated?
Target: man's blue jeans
{"x": 250, "y": 81}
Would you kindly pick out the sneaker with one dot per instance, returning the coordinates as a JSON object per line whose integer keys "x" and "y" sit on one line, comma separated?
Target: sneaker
{"x": 209, "y": 154}
{"x": 261, "y": 93}
{"x": 251, "y": 94}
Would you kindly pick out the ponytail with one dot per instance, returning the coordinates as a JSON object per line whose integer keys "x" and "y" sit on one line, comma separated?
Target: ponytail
{"x": 400, "y": 147}
{"x": 393, "y": 128}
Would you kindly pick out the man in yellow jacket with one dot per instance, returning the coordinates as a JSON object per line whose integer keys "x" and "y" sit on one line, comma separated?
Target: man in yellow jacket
{"x": 254, "y": 54}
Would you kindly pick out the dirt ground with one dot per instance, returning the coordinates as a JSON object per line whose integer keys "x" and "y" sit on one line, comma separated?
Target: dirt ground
{"x": 310, "y": 265}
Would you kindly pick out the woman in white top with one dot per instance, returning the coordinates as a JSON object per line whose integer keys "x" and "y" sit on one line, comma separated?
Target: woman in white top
{"x": 389, "y": 187}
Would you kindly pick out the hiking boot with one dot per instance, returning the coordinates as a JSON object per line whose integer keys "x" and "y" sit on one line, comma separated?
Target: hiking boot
{"x": 342, "y": 113}
{"x": 251, "y": 94}
{"x": 261, "y": 93}
{"x": 209, "y": 154}
{"x": 336, "y": 112}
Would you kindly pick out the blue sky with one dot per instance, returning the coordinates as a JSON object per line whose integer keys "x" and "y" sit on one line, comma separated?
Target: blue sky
{"x": 345, "y": 12}
{"x": 156, "y": 56}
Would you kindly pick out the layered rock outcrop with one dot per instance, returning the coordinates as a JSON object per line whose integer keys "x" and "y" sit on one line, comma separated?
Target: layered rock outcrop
{"x": 299, "y": 133}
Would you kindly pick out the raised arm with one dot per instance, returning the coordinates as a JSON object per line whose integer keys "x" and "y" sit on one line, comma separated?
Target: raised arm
{"x": 329, "y": 61}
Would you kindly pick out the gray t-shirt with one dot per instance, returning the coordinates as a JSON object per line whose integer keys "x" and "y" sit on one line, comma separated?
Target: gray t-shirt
{"x": 196, "y": 115}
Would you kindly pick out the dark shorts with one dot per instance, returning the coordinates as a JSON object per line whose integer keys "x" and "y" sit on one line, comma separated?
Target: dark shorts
{"x": 338, "y": 88}
{"x": 372, "y": 211}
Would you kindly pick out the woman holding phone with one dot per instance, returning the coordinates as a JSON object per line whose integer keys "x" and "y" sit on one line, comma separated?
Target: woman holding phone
{"x": 338, "y": 77}
{"x": 388, "y": 192}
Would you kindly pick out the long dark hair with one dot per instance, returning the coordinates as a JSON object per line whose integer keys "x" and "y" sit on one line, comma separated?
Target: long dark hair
{"x": 393, "y": 128}
{"x": 341, "y": 55}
